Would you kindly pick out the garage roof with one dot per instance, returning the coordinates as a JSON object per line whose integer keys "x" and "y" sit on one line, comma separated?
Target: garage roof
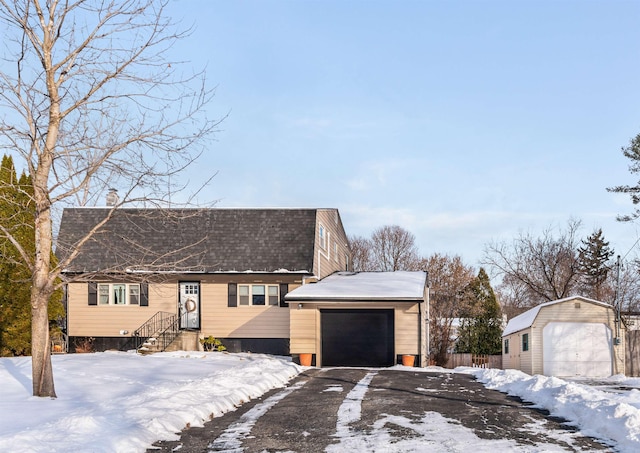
{"x": 526, "y": 319}
{"x": 368, "y": 286}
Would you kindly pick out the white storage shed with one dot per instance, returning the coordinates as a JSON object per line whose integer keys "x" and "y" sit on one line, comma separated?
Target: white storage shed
{"x": 571, "y": 337}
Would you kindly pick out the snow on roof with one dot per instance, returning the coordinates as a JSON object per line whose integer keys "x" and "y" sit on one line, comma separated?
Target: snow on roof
{"x": 526, "y": 319}
{"x": 399, "y": 285}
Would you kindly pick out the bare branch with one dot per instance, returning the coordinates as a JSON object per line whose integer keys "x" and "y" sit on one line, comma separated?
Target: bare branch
{"x": 94, "y": 103}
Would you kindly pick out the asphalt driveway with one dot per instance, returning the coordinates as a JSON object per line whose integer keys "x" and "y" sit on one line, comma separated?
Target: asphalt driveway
{"x": 349, "y": 410}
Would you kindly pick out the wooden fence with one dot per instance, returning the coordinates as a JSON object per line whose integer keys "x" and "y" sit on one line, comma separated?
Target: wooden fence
{"x": 632, "y": 354}
{"x": 632, "y": 357}
{"x": 474, "y": 360}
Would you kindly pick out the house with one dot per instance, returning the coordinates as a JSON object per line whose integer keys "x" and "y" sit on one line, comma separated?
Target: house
{"x": 361, "y": 318}
{"x": 571, "y": 337}
{"x": 178, "y": 275}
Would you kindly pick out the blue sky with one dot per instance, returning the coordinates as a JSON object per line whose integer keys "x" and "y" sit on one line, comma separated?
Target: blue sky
{"x": 462, "y": 122}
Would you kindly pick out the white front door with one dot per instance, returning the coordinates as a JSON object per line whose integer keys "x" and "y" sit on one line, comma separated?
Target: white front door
{"x": 189, "y": 305}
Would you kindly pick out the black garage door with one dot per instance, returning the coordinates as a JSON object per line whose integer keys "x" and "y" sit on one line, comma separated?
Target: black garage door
{"x": 357, "y": 338}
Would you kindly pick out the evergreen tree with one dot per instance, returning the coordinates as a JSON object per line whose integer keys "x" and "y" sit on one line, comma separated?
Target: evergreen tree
{"x": 16, "y": 214}
{"x": 631, "y": 152}
{"x": 481, "y": 328}
{"x": 594, "y": 261}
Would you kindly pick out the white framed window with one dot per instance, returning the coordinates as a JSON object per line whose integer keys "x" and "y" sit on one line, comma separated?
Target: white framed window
{"x": 525, "y": 342}
{"x": 322, "y": 236}
{"x": 273, "y": 295}
{"x": 243, "y": 294}
{"x": 258, "y": 295}
{"x": 190, "y": 289}
{"x": 118, "y": 294}
{"x": 103, "y": 294}
{"x": 134, "y": 294}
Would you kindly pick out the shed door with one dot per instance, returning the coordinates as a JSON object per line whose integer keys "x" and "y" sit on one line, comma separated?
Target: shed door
{"x": 357, "y": 337}
{"x": 577, "y": 349}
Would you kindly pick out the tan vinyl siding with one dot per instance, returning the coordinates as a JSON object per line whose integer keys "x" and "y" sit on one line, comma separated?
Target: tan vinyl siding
{"x": 304, "y": 329}
{"x": 86, "y": 320}
{"x": 511, "y": 359}
{"x": 516, "y": 358}
{"x": 407, "y": 329}
{"x": 525, "y": 356}
{"x": 216, "y": 318}
{"x": 220, "y": 320}
{"x": 326, "y": 260}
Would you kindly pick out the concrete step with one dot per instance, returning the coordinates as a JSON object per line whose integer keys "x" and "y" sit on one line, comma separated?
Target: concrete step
{"x": 187, "y": 340}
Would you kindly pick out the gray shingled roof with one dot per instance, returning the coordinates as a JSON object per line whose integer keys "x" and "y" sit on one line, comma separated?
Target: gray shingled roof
{"x": 196, "y": 240}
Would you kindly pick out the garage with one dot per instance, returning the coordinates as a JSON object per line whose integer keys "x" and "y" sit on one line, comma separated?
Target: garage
{"x": 571, "y": 337}
{"x": 357, "y": 337}
{"x": 363, "y": 319}
{"x": 577, "y": 349}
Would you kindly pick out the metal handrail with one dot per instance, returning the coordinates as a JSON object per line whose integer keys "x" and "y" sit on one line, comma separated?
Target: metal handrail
{"x": 171, "y": 331}
{"x": 153, "y": 326}
{"x": 163, "y": 326}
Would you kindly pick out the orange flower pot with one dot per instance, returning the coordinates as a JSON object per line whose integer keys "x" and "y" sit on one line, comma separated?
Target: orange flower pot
{"x": 408, "y": 360}
{"x": 305, "y": 359}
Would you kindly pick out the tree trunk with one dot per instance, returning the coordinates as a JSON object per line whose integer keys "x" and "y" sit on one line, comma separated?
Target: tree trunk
{"x": 42, "y": 371}
{"x": 41, "y": 281}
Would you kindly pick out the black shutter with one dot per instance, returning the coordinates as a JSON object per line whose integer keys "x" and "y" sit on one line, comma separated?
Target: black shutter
{"x": 284, "y": 289}
{"x": 93, "y": 293}
{"x": 233, "y": 295}
{"x": 144, "y": 294}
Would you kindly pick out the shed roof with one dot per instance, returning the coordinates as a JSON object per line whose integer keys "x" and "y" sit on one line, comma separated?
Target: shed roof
{"x": 196, "y": 240}
{"x": 367, "y": 286}
{"x": 526, "y": 319}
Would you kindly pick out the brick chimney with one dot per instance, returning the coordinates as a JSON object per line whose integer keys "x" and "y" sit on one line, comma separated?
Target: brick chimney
{"x": 112, "y": 197}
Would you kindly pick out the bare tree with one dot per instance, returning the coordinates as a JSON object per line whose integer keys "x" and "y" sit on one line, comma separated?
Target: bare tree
{"x": 625, "y": 282}
{"x": 536, "y": 269}
{"x": 448, "y": 278}
{"x": 360, "y": 253}
{"x": 91, "y": 101}
{"x": 393, "y": 249}
{"x": 513, "y": 295}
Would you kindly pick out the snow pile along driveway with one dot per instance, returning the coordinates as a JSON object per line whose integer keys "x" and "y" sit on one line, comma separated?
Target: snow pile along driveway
{"x": 124, "y": 402}
{"x": 612, "y": 415}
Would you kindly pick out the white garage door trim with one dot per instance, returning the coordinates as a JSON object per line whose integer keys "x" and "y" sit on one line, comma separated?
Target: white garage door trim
{"x": 577, "y": 349}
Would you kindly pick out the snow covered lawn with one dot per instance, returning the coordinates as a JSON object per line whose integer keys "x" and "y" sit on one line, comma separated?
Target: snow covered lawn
{"x": 123, "y": 402}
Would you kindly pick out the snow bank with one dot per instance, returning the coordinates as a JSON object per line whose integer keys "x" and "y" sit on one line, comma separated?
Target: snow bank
{"x": 611, "y": 415}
